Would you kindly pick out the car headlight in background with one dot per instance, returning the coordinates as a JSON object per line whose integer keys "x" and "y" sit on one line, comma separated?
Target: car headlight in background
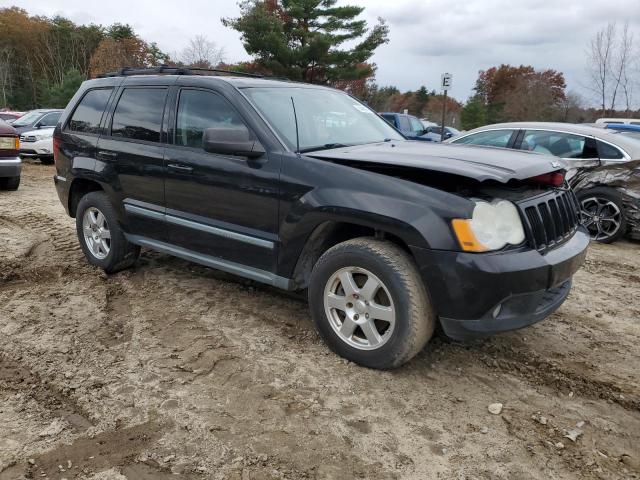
{"x": 491, "y": 227}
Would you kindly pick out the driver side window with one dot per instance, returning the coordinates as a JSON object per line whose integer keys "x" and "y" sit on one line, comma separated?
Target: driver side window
{"x": 490, "y": 138}
{"x": 199, "y": 110}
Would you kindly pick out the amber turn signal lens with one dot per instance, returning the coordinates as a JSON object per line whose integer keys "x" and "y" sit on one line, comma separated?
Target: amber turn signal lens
{"x": 466, "y": 237}
{"x": 17, "y": 143}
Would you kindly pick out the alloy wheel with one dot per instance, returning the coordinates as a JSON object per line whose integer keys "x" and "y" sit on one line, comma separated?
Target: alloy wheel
{"x": 96, "y": 232}
{"x": 359, "y": 308}
{"x": 601, "y": 217}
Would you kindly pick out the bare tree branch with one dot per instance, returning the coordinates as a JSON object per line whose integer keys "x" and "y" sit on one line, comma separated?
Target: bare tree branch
{"x": 202, "y": 52}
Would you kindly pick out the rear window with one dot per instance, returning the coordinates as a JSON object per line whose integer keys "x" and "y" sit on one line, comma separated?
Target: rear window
{"x": 138, "y": 115}
{"x": 88, "y": 113}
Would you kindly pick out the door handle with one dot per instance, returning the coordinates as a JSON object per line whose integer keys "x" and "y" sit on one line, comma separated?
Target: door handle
{"x": 107, "y": 154}
{"x": 180, "y": 168}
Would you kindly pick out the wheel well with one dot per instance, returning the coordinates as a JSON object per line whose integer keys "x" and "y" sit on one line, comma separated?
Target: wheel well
{"x": 79, "y": 188}
{"x": 329, "y": 234}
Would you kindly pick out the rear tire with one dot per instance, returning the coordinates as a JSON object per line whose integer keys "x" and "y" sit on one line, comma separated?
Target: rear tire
{"x": 369, "y": 304}
{"x": 9, "y": 183}
{"x": 101, "y": 237}
{"x": 603, "y": 213}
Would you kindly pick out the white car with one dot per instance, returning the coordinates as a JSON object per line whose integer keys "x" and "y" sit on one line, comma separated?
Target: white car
{"x": 603, "y": 122}
{"x": 38, "y": 144}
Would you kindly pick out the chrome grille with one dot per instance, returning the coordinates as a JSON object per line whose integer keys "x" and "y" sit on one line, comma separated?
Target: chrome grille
{"x": 552, "y": 219}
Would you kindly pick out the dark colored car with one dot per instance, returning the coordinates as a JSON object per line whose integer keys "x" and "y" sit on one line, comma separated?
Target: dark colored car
{"x": 410, "y": 126}
{"x": 10, "y": 117}
{"x": 305, "y": 188}
{"x": 10, "y": 164}
{"x": 36, "y": 119}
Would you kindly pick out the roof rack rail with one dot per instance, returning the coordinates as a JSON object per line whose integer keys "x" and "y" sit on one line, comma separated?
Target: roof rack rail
{"x": 167, "y": 70}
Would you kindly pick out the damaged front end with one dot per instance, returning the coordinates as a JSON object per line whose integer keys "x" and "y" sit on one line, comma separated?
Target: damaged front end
{"x": 624, "y": 178}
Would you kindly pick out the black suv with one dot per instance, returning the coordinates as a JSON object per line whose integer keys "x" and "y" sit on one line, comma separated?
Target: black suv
{"x": 304, "y": 187}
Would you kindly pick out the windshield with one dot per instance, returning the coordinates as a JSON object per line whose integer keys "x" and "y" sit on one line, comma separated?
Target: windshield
{"x": 27, "y": 119}
{"x": 326, "y": 118}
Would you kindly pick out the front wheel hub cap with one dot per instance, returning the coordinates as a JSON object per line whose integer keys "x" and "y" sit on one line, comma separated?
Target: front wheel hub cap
{"x": 359, "y": 308}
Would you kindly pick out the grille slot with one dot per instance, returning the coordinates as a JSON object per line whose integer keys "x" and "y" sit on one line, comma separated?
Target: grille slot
{"x": 551, "y": 220}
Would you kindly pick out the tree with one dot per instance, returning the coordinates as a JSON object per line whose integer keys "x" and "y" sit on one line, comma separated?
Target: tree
{"x": 57, "y": 96}
{"x": 113, "y": 55}
{"x": 118, "y": 31}
{"x": 520, "y": 93}
{"x": 302, "y": 39}
{"x": 473, "y": 114}
{"x": 202, "y": 52}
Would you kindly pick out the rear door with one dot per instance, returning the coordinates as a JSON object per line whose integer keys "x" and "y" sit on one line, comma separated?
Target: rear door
{"x": 81, "y": 132}
{"x": 219, "y": 205}
{"x": 133, "y": 152}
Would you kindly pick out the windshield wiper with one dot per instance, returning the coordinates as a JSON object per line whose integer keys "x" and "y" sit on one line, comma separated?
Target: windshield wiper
{"x": 326, "y": 146}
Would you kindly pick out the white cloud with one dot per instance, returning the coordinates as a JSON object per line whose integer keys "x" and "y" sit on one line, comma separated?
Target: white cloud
{"x": 427, "y": 37}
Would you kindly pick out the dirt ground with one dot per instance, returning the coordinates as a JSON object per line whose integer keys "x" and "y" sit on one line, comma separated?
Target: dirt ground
{"x": 175, "y": 371}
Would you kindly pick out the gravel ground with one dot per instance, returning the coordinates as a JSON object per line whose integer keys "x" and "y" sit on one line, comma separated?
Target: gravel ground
{"x": 172, "y": 370}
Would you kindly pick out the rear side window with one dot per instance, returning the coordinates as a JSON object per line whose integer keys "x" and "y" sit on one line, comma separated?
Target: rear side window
{"x": 88, "y": 113}
{"x": 138, "y": 115}
{"x": 609, "y": 152}
{"x": 491, "y": 138}
{"x": 558, "y": 144}
{"x": 199, "y": 110}
{"x": 403, "y": 124}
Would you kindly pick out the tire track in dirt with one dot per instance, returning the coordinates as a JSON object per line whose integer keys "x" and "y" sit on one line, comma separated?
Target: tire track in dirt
{"x": 537, "y": 371}
{"x": 85, "y": 456}
{"x": 20, "y": 379}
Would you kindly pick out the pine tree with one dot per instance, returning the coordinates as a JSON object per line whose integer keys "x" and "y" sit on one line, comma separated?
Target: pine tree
{"x": 301, "y": 39}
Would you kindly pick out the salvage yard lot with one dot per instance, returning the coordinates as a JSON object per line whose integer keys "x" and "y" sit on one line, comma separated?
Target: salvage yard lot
{"x": 172, "y": 370}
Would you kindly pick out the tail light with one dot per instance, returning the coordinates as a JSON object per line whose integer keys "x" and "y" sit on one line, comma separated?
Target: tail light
{"x": 56, "y": 149}
{"x": 555, "y": 179}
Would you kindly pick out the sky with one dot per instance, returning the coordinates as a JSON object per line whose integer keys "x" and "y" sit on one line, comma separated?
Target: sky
{"x": 427, "y": 37}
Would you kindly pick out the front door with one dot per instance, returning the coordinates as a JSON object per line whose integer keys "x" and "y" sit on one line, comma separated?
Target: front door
{"x": 221, "y": 206}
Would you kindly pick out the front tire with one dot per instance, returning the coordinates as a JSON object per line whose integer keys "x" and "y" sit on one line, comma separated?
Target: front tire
{"x": 9, "y": 183}
{"x": 603, "y": 213}
{"x": 369, "y": 304}
{"x": 101, "y": 238}
{"x": 46, "y": 160}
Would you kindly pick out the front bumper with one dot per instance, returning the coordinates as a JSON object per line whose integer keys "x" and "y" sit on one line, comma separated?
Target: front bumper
{"x": 10, "y": 167}
{"x": 40, "y": 148}
{"x": 476, "y": 295}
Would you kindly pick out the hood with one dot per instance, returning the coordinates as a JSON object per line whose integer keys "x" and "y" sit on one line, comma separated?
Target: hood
{"x": 478, "y": 163}
{"x": 38, "y": 131}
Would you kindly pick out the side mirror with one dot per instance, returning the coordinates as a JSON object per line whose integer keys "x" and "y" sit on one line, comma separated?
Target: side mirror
{"x": 37, "y": 126}
{"x": 233, "y": 140}
{"x": 448, "y": 135}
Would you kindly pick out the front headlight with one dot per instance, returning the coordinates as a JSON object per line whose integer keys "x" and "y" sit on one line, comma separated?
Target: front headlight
{"x": 491, "y": 227}
{"x": 43, "y": 136}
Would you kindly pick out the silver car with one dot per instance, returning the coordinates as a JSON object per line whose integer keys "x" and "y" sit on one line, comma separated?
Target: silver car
{"x": 603, "y": 168}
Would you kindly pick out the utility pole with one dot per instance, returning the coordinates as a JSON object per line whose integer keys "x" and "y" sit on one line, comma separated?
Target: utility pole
{"x": 445, "y": 84}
